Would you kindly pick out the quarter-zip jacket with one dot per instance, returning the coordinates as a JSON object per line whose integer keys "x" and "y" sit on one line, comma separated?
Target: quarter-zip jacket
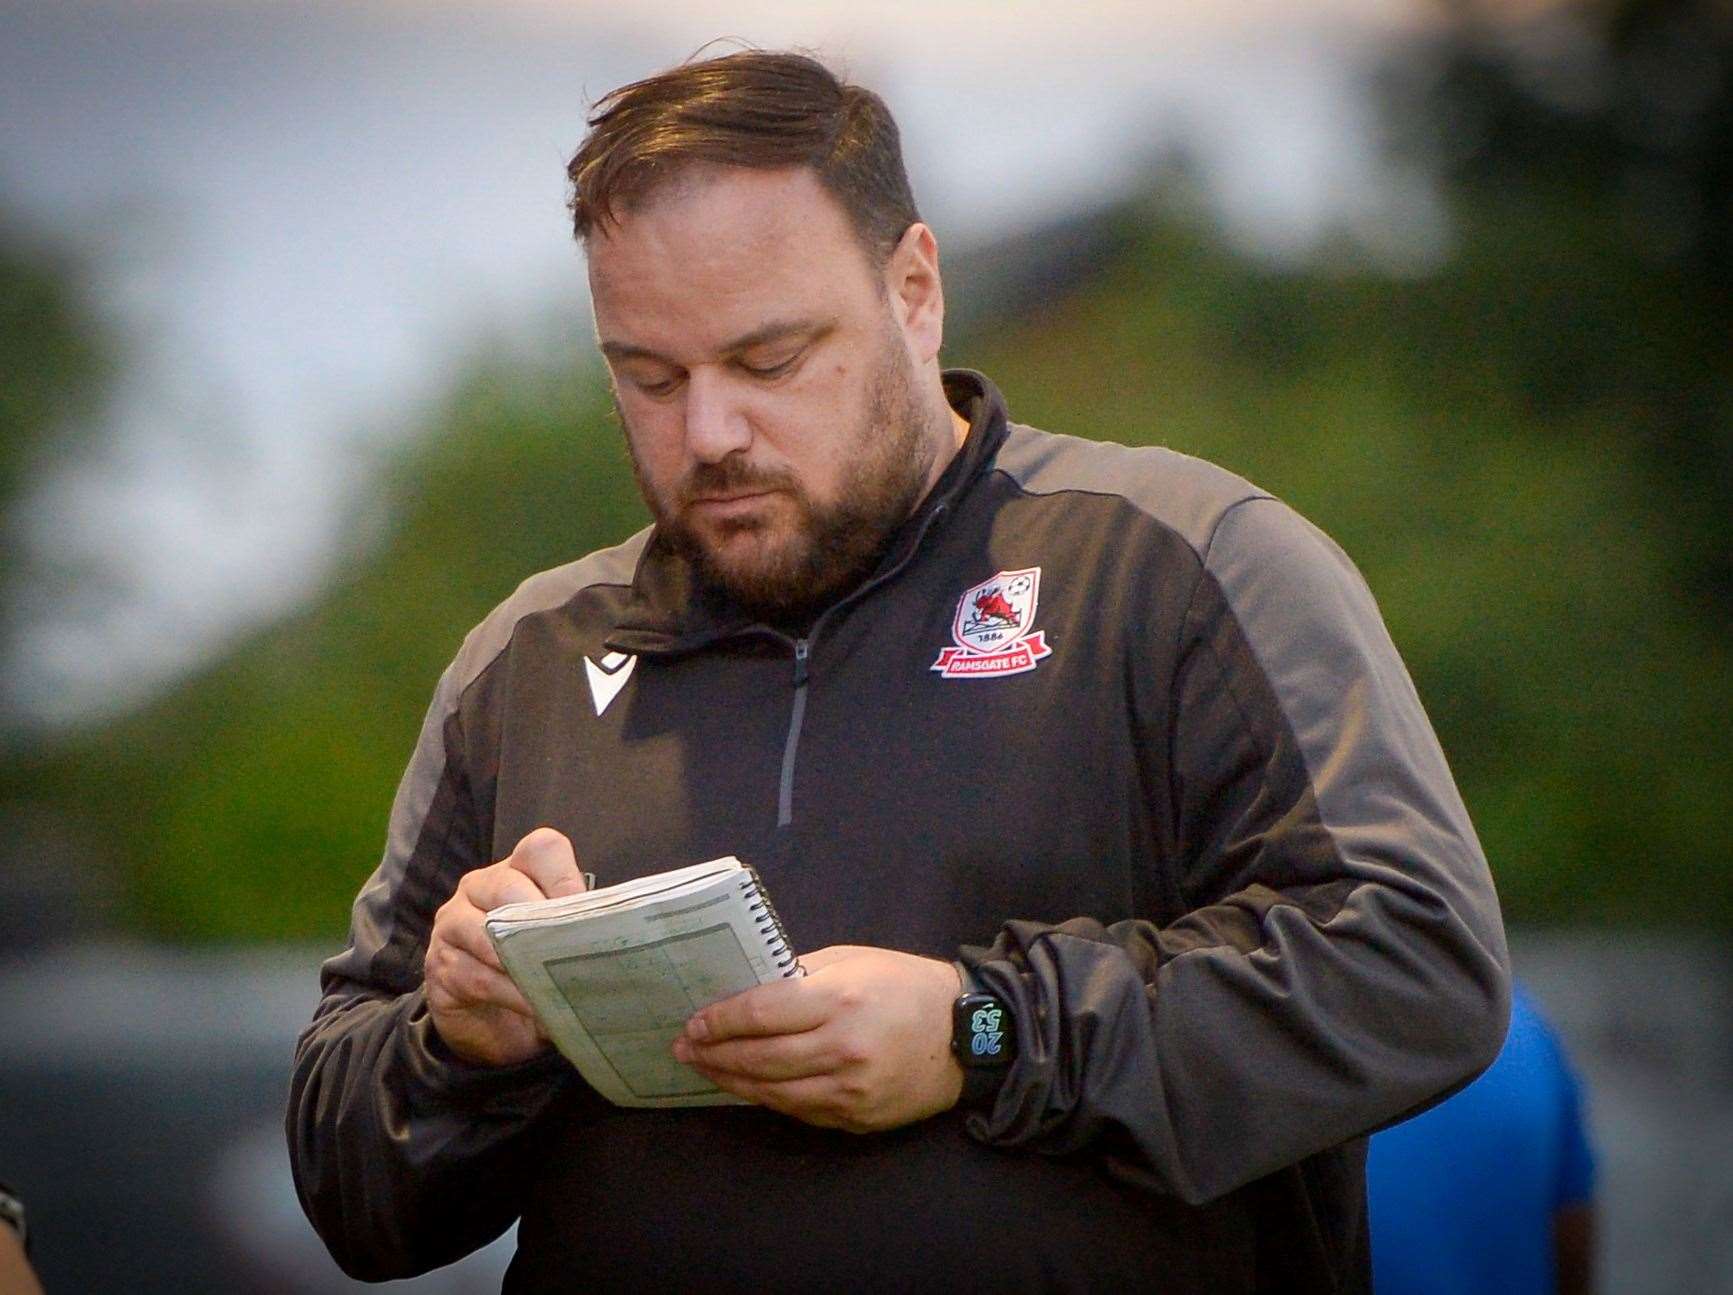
{"x": 1201, "y": 837}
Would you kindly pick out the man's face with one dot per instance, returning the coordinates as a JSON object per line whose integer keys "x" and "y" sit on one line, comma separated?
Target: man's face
{"x": 764, "y": 381}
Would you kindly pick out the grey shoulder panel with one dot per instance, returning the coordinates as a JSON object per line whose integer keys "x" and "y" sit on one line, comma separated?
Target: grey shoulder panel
{"x": 542, "y": 592}
{"x": 1185, "y": 494}
{"x": 1369, "y": 751}
{"x": 371, "y": 920}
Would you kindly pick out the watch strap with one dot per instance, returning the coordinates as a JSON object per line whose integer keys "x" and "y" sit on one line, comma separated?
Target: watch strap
{"x": 971, "y": 983}
{"x": 981, "y": 1084}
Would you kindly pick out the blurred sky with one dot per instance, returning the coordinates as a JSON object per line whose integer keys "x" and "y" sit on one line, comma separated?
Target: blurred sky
{"x": 297, "y": 215}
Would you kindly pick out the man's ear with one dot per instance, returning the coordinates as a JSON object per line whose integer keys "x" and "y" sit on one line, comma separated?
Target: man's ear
{"x": 916, "y": 293}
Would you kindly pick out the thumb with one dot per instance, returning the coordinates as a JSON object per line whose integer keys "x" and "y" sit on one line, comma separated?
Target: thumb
{"x": 546, "y": 857}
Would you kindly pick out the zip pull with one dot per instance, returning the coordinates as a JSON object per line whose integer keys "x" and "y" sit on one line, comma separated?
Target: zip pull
{"x": 802, "y": 650}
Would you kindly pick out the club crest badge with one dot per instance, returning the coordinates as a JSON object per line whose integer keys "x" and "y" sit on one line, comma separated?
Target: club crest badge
{"x": 994, "y": 629}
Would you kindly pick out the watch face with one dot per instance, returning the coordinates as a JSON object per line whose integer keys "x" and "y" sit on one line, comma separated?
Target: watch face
{"x": 981, "y": 1033}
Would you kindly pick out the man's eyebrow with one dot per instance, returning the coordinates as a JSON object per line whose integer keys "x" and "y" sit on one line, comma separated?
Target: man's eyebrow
{"x": 760, "y": 336}
{"x": 776, "y": 331}
{"x": 626, "y": 351}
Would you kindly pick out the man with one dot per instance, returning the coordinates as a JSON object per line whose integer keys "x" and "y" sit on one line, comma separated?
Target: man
{"x": 1117, "y": 726}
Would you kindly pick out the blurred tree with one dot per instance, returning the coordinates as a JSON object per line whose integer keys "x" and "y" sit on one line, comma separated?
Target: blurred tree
{"x": 1527, "y": 567}
{"x": 1526, "y": 449}
{"x": 1588, "y": 153}
{"x": 250, "y": 799}
{"x": 58, "y": 361}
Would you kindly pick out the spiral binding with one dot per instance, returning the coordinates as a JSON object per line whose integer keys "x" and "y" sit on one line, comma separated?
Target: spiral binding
{"x": 769, "y": 924}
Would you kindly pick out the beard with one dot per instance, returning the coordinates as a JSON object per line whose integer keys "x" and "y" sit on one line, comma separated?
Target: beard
{"x": 784, "y": 569}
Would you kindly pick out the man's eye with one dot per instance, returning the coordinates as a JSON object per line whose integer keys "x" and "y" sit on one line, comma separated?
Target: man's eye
{"x": 770, "y": 370}
{"x": 656, "y": 387}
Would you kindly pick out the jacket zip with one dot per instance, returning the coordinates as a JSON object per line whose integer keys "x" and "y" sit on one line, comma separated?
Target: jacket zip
{"x": 802, "y": 656}
{"x": 785, "y": 790}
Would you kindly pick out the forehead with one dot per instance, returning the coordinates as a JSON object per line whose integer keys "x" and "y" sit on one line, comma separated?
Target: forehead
{"x": 717, "y": 252}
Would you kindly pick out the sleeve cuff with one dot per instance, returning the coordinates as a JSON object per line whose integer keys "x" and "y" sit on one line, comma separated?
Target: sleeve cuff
{"x": 439, "y": 1074}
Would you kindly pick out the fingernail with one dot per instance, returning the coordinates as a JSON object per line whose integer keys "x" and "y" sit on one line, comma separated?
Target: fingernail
{"x": 696, "y": 1030}
{"x": 682, "y": 1050}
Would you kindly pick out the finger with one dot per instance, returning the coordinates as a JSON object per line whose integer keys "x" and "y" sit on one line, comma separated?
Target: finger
{"x": 463, "y": 928}
{"x": 781, "y": 1007}
{"x": 547, "y": 858}
{"x": 781, "y": 1057}
{"x": 488, "y": 888}
{"x": 463, "y": 981}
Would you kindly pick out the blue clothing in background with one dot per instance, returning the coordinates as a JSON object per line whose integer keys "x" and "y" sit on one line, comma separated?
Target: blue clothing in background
{"x": 1462, "y": 1196}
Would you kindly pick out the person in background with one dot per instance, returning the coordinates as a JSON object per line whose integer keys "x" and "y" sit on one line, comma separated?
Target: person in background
{"x": 17, "y": 1277}
{"x": 1493, "y": 1189}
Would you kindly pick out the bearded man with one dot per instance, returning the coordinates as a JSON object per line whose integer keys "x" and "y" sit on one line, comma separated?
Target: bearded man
{"x": 1106, "y": 736}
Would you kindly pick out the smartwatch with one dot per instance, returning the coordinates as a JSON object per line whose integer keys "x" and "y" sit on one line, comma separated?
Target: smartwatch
{"x": 983, "y": 1040}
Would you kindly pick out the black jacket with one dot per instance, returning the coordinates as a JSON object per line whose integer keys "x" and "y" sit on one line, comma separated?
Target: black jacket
{"x": 1125, "y": 726}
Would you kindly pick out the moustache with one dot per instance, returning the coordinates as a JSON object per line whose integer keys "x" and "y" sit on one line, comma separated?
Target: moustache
{"x": 733, "y": 476}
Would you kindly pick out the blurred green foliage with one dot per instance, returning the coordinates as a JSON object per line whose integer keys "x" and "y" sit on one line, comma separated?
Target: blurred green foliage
{"x": 246, "y": 801}
{"x": 1530, "y": 562}
{"x": 58, "y": 360}
{"x": 54, "y": 353}
{"x": 1525, "y": 448}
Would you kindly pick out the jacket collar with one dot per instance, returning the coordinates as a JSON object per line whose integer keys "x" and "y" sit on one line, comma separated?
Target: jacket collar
{"x": 670, "y": 612}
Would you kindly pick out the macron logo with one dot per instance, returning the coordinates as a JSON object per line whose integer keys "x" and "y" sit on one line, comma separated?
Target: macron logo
{"x": 608, "y": 677}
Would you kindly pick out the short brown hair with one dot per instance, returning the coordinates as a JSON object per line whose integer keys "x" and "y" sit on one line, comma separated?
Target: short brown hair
{"x": 754, "y": 109}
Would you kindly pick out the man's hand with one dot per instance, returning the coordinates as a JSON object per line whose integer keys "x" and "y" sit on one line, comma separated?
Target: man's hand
{"x": 862, "y": 1042}
{"x": 476, "y": 1008}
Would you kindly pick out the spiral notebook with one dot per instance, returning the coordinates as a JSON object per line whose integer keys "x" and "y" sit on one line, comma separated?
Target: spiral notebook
{"x": 615, "y": 973}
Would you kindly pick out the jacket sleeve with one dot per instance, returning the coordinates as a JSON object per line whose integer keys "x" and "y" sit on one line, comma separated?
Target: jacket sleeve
{"x": 405, "y": 1156}
{"x": 1340, "y": 961}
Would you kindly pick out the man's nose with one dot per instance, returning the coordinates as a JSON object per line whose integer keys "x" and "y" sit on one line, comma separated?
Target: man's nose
{"x": 716, "y": 425}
